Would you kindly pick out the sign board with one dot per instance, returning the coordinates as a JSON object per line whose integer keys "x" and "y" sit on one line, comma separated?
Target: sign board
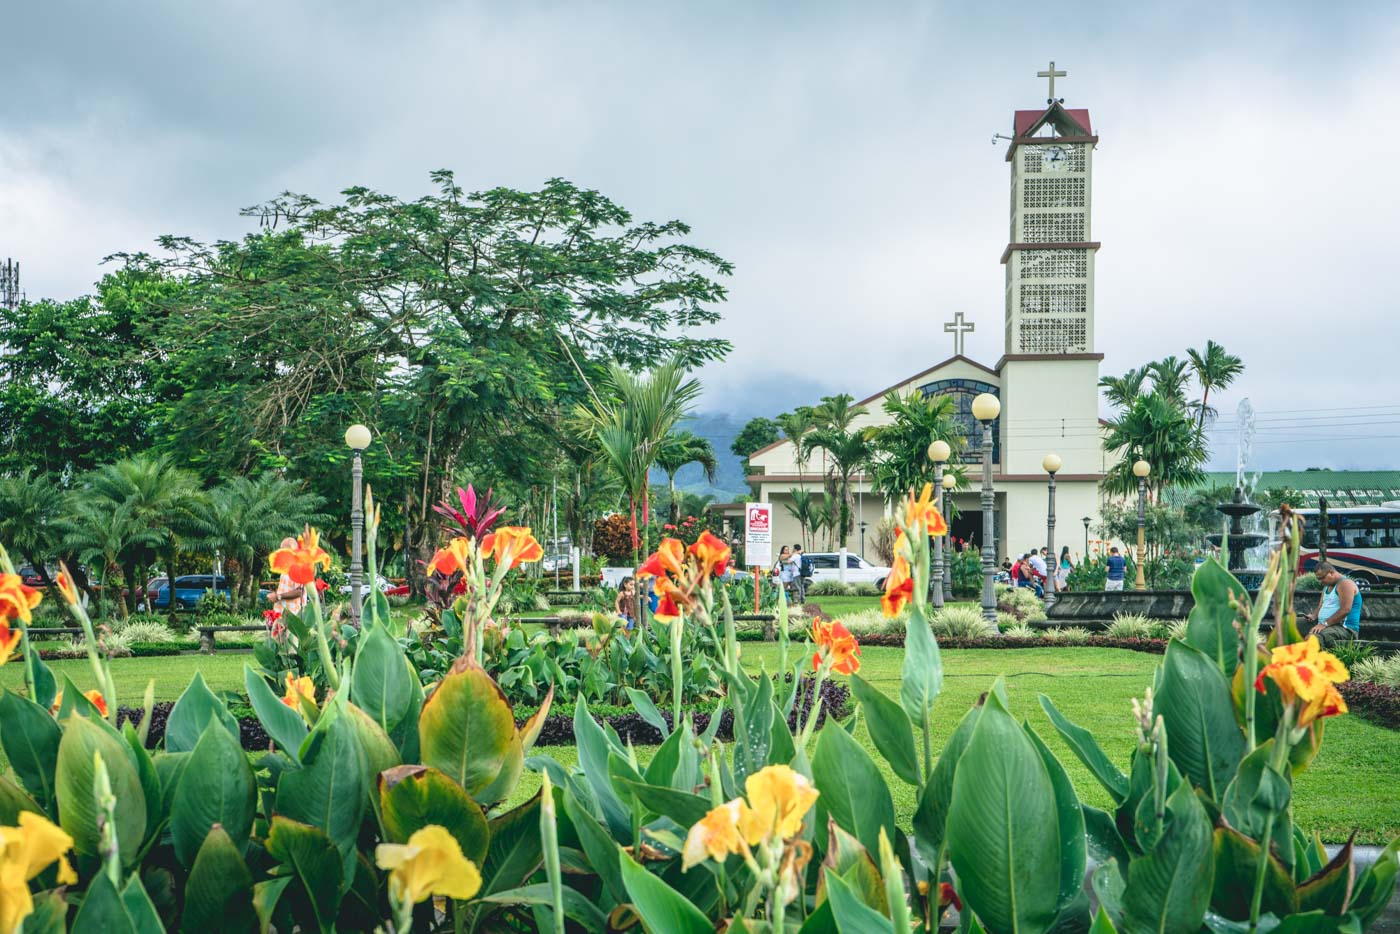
{"x": 758, "y": 534}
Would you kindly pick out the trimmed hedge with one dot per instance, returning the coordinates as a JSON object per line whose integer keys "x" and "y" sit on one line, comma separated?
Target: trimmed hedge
{"x": 1378, "y": 703}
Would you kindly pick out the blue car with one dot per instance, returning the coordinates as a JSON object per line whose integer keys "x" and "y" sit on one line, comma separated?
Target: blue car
{"x": 189, "y": 590}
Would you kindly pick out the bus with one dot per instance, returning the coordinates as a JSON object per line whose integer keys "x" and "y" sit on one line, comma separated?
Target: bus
{"x": 1363, "y": 542}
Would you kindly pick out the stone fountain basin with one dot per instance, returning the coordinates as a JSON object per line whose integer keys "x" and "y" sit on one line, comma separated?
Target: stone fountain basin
{"x": 1243, "y": 539}
{"x": 1238, "y": 510}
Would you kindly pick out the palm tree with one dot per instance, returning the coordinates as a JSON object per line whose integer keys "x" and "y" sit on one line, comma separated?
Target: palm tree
{"x": 1214, "y": 369}
{"x": 795, "y": 425}
{"x": 899, "y": 449}
{"x": 1169, "y": 379}
{"x": 30, "y": 508}
{"x": 1159, "y": 431}
{"x": 848, "y": 451}
{"x": 158, "y": 494}
{"x": 803, "y": 509}
{"x": 679, "y": 449}
{"x": 825, "y": 514}
{"x": 246, "y": 519}
{"x": 1122, "y": 391}
{"x": 838, "y": 411}
{"x": 630, "y": 422}
{"x": 107, "y": 533}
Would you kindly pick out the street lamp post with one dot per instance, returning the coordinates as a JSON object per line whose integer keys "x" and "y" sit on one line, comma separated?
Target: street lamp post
{"x": 985, "y": 408}
{"x": 357, "y": 437}
{"x": 938, "y": 452}
{"x": 1052, "y": 465}
{"x": 950, "y": 483}
{"x": 1140, "y": 470}
{"x": 1086, "y": 521}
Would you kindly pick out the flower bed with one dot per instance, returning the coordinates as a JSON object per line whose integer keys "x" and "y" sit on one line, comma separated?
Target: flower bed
{"x": 1378, "y": 703}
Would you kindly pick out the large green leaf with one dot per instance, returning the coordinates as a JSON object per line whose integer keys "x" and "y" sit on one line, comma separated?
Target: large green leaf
{"x": 140, "y": 909}
{"x": 681, "y": 806}
{"x": 381, "y": 682}
{"x": 413, "y": 796}
{"x": 30, "y": 739}
{"x": 845, "y": 857}
{"x": 598, "y": 846}
{"x": 889, "y": 728}
{"x": 380, "y": 751}
{"x": 922, "y": 675}
{"x": 216, "y": 789}
{"x": 1070, "y": 817}
{"x": 1236, "y": 860}
{"x": 314, "y": 859}
{"x": 931, "y": 816}
{"x": 852, "y": 790}
{"x": 1376, "y": 886}
{"x": 219, "y": 893}
{"x": 49, "y": 915}
{"x": 1003, "y": 827}
{"x": 190, "y": 716}
{"x": 328, "y": 791}
{"x": 102, "y": 909}
{"x": 1169, "y": 889}
{"x": 646, "y": 709}
{"x": 1193, "y": 698}
{"x": 851, "y": 914}
{"x": 283, "y": 724}
{"x": 74, "y": 701}
{"x": 593, "y": 751}
{"x": 1211, "y": 625}
{"x": 1086, "y": 748}
{"x": 45, "y": 685}
{"x": 753, "y": 728}
{"x": 77, "y": 808}
{"x": 13, "y": 800}
{"x": 1329, "y": 889}
{"x": 467, "y": 730}
{"x": 662, "y": 909}
{"x": 1258, "y": 796}
{"x": 515, "y": 850}
{"x": 576, "y": 905}
{"x": 150, "y": 779}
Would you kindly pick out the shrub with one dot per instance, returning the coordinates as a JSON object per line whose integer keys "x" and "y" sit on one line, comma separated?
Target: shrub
{"x": 961, "y": 622}
{"x": 1020, "y": 631}
{"x": 1353, "y": 653}
{"x": 830, "y": 588}
{"x": 612, "y": 538}
{"x": 872, "y": 622}
{"x": 864, "y": 590}
{"x": 145, "y": 629}
{"x": 1020, "y": 602}
{"x": 1378, "y": 670}
{"x": 1132, "y": 626}
{"x": 1006, "y": 620}
{"x": 1074, "y": 635}
{"x": 1176, "y": 630}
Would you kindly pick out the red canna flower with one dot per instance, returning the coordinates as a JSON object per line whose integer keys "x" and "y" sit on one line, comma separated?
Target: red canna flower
{"x": 300, "y": 563}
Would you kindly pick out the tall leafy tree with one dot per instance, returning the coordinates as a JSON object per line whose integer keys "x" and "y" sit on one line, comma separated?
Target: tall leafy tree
{"x": 1214, "y": 369}
{"x": 838, "y": 412}
{"x": 803, "y": 508}
{"x": 1158, "y": 430}
{"x": 108, "y": 534}
{"x": 31, "y": 507}
{"x": 1169, "y": 378}
{"x": 847, "y": 451}
{"x": 680, "y": 449}
{"x": 1122, "y": 391}
{"x": 795, "y": 425}
{"x": 757, "y": 433}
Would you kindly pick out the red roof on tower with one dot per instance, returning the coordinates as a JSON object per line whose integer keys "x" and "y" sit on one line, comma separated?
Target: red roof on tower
{"x": 1027, "y": 121}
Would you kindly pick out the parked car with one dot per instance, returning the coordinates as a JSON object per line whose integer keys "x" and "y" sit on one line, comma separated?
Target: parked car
{"x": 30, "y": 577}
{"x": 189, "y": 590}
{"x": 826, "y": 566}
{"x": 385, "y": 585}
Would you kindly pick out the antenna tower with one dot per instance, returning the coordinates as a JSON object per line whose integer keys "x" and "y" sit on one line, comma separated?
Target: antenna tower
{"x": 10, "y": 295}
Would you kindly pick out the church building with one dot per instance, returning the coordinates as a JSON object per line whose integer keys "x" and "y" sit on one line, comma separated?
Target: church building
{"x": 1046, "y": 379}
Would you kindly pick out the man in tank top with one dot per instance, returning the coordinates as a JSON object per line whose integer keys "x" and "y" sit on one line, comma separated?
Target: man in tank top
{"x": 1338, "y": 615}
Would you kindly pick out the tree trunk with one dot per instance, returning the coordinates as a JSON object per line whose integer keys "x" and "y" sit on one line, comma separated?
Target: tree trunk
{"x": 170, "y": 575}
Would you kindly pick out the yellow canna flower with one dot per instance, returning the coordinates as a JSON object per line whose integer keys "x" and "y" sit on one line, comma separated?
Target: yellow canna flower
{"x": 457, "y": 556}
{"x": 26, "y": 851}
{"x": 297, "y": 690}
{"x": 17, "y": 599}
{"x": 430, "y": 863}
{"x": 716, "y": 835}
{"x": 1308, "y": 677}
{"x": 779, "y": 799}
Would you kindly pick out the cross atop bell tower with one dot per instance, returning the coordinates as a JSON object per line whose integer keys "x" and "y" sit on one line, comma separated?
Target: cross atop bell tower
{"x": 1052, "y": 74}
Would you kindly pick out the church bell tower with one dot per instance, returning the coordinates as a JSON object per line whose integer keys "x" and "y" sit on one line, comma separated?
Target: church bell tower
{"x": 1050, "y": 256}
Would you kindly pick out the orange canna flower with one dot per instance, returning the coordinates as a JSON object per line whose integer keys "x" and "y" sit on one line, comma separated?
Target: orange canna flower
{"x": 9, "y": 638}
{"x": 297, "y": 688}
{"x": 66, "y": 586}
{"x": 300, "y": 563}
{"x": 17, "y": 599}
{"x": 1307, "y": 677}
{"x": 671, "y": 600}
{"x": 668, "y": 559}
{"x": 712, "y": 552}
{"x": 899, "y": 586}
{"x": 97, "y": 700}
{"x": 835, "y": 640}
{"x": 512, "y": 545}
{"x": 456, "y": 556}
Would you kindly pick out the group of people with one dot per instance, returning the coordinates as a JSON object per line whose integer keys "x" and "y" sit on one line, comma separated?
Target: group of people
{"x": 1033, "y": 570}
{"x": 792, "y": 572}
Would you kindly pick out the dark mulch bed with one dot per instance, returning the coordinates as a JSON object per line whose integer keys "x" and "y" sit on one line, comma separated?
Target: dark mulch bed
{"x": 558, "y": 728}
{"x": 1375, "y": 702}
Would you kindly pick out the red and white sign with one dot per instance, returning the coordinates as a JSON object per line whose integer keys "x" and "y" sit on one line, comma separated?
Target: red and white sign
{"x": 758, "y": 534}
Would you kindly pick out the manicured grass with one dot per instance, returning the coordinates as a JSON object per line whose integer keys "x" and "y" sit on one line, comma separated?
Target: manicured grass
{"x": 840, "y": 606}
{"x": 1350, "y": 785}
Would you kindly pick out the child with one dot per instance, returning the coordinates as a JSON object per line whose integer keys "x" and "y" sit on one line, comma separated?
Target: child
{"x": 626, "y": 604}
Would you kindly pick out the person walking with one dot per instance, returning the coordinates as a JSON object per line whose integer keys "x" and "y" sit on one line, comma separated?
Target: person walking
{"x": 1062, "y": 572}
{"x": 799, "y": 579}
{"x": 1338, "y": 615}
{"x": 1117, "y": 566}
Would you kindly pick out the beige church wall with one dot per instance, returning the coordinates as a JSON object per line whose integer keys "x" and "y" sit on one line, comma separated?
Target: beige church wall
{"x": 1027, "y": 508}
{"x": 1050, "y": 406}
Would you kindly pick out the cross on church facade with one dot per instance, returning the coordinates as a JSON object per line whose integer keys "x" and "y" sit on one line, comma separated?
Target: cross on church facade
{"x": 959, "y": 328}
{"x": 1052, "y": 74}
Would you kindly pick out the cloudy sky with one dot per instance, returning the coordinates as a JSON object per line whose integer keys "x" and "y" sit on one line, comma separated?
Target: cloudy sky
{"x": 838, "y": 154}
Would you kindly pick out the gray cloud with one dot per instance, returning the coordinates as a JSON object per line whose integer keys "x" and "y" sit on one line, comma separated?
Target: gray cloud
{"x": 838, "y": 154}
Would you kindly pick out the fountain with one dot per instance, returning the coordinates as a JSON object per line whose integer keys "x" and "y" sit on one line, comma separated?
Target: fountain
{"x": 1237, "y": 541}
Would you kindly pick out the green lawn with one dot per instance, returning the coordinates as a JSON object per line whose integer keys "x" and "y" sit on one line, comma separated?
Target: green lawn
{"x": 1351, "y": 785}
